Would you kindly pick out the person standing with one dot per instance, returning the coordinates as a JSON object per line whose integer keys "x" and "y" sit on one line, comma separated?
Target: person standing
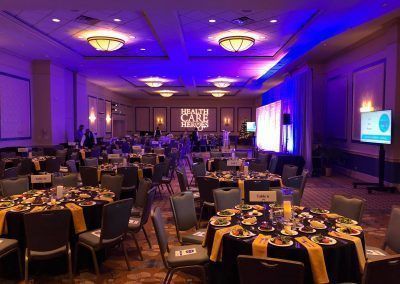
{"x": 157, "y": 132}
{"x": 88, "y": 139}
{"x": 79, "y": 133}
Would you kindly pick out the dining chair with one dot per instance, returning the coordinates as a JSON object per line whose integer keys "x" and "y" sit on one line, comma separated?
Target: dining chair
{"x": 130, "y": 181}
{"x": 47, "y": 236}
{"x": 91, "y": 162}
{"x": 392, "y": 237}
{"x": 117, "y": 151}
{"x": 215, "y": 154}
{"x": 255, "y": 185}
{"x": 241, "y": 155}
{"x": 114, "y": 161}
{"x": 137, "y": 223}
{"x": 157, "y": 176}
{"x": 383, "y": 270}
{"x": 25, "y": 167}
{"x": 14, "y": 186}
{"x": 288, "y": 172}
{"x": 256, "y": 166}
{"x": 114, "y": 226}
{"x": 298, "y": 182}
{"x": 273, "y": 163}
{"x": 226, "y": 198}
{"x": 149, "y": 159}
{"x": 159, "y": 151}
{"x": 221, "y": 165}
{"x": 184, "y": 212}
{"x": 113, "y": 183}
{"x": 61, "y": 155}
{"x": 168, "y": 175}
{"x": 89, "y": 176}
{"x": 264, "y": 158}
{"x": 69, "y": 180}
{"x": 199, "y": 170}
{"x": 9, "y": 246}
{"x": 11, "y": 172}
{"x": 183, "y": 183}
{"x": 257, "y": 270}
{"x": 140, "y": 198}
{"x": 206, "y": 187}
{"x": 71, "y": 165}
{"x": 351, "y": 207}
{"x": 52, "y": 165}
{"x": 172, "y": 257}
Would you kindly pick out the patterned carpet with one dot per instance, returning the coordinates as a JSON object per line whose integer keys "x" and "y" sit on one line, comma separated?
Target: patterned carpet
{"x": 317, "y": 193}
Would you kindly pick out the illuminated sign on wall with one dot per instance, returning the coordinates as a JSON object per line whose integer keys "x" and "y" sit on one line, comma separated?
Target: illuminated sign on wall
{"x": 194, "y": 117}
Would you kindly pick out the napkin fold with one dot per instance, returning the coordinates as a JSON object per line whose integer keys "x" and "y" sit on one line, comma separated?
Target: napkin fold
{"x": 36, "y": 164}
{"x": 140, "y": 174}
{"x": 317, "y": 261}
{"x": 216, "y": 251}
{"x": 38, "y": 208}
{"x": 102, "y": 198}
{"x": 358, "y": 244}
{"x": 260, "y": 245}
{"x": 3, "y": 221}
{"x": 241, "y": 187}
{"x": 77, "y": 217}
{"x": 333, "y": 215}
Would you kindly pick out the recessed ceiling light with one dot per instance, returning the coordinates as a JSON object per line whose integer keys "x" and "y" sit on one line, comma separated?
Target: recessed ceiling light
{"x": 209, "y": 49}
{"x": 261, "y": 37}
{"x": 132, "y": 36}
{"x": 210, "y": 37}
{"x": 117, "y": 20}
{"x": 143, "y": 49}
{"x": 212, "y": 20}
{"x": 56, "y": 20}
{"x": 81, "y": 36}
{"x": 273, "y": 21}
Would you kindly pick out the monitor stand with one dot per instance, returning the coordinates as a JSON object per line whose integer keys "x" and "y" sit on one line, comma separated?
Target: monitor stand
{"x": 380, "y": 186}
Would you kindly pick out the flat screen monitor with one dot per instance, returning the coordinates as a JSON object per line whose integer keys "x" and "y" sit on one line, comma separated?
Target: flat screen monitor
{"x": 251, "y": 126}
{"x": 376, "y": 127}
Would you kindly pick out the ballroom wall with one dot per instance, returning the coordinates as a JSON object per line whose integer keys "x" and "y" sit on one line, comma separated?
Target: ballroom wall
{"x": 367, "y": 72}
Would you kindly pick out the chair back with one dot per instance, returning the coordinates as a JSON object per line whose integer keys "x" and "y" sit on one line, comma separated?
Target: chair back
{"x": 215, "y": 154}
{"x": 71, "y": 165}
{"x": 89, "y": 176}
{"x": 117, "y": 151}
{"x": 383, "y": 270}
{"x": 241, "y": 155}
{"x": 149, "y": 159}
{"x": 199, "y": 169}
{"x": 113, "y": 183}
{"x": 350, "y": 207}
{"x": 206, "y": 187}
{"x": 25, "y": 167}
{"x": 61, "y": 155}
{"x": 91, "y": 162}
{"x": 2, "y": 168}
{"x": 226, "y": 197}
{"x": 254, "y": 185}
{"x": 273, "y": 164}
{"x": 47, "y": 230}
{"x": 158, "y": 173}
{"x": 181, "y": 180}
{"x": 52, "y": 165}
{"x": 113, "y": 161}
{"x": 130, "y": 176}
{"x": 141, "y": 194}
{"x": 115, "y": 219}
{"x": 184, "y": 211}
{"x": 257, "y": 270}
{"x": 14, "y": 186}
{"x": 147, "y": 207}
{"x": 288, "y": 172}
{"x": 393, "y": 230}
{"x": 11, "y": 172}
{"x": 258, "y": 166}
{"x": 69, "y": 180}
{"x": 298, "y": 182}
{"x": 221, "y": 165}
{"x": 159, "y": 151}
{"x": 161, "y": 234}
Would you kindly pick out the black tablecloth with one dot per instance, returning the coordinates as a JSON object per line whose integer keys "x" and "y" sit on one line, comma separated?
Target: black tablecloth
{"x": 340, "y": 259}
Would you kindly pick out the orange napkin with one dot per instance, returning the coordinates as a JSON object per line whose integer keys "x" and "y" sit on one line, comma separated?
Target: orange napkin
{"x": 216, "y": 251}
{"x": 359, "y": 247}
{"x": 317, "y": 261}
{"x": 77, "y": 217}
{"x": 260, "y": 245}
{"x": 3, "y": 221}
{"x": 36, "y": 164}
{"x": 83, "y": 154}
{"x": 241, "y": 187}
{"x": 38, "y": 208}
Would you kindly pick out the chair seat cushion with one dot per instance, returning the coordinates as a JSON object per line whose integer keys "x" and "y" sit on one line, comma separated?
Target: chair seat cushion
{"x": 7, "y": 245}
{"x": 175, "y": 258}
{"x": 196, "y": 237}
{"x": 50, "y": 253}
{"x": 375, "y": 253}
{"x": 134, "y": 223}
{"x": 210, "y": 204}
{"x": 136, "y": 211}
{"x": 92, "y": 238}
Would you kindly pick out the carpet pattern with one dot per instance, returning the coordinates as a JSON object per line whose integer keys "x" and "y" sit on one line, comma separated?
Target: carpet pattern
{"x": 318, "y": 193}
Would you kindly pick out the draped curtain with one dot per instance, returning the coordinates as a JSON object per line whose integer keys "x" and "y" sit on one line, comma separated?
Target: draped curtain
{"x": 295, "y": 94}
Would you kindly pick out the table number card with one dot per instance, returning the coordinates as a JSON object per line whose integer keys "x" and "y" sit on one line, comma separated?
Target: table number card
{"x": 234, "y": 163}
{"x": 71, "y": 143}
{"x": 41, "y": 178}
{"x": 134, "y": 222}
{"x": 113, "y": 156}
{"x": 22, "y": 150}
{"x": 262, "y": 196}
{"x": 185, "y": 252}
{"x": 97, "y": 233}
{"x": 199, "y": 234}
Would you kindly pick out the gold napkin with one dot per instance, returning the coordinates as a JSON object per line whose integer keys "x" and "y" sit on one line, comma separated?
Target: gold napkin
{"x": 36, "y": 164}
{"x": 38, "y": 208}
{"x": 317, "y": 261}
{"x": 260, "y": 245}
{"x": 216, "y": 251}
{"x": 241, "y": 187}
{"x": 77, "y": 217}
{"x": 140, "y": 174}
{"x": 157, "y": 160}
{"x": 83, "y": 154}
{"x": 358, "y": 244}
{"x": 3, "y": 221}
{"x": 333, "y": 215}
{"x": 102, "y": 198}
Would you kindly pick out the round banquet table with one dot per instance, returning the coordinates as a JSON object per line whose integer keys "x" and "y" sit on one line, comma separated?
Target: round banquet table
{"x": 340, "y": 259}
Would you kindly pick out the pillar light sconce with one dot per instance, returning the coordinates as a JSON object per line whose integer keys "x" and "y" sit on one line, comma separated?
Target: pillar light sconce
{"x": 227, "y": 121}
{"x": 108, "y": 118}
{"x": 92, "y": 117}
{"x": 366, "y": 106}
{"x": 160, "y": 121}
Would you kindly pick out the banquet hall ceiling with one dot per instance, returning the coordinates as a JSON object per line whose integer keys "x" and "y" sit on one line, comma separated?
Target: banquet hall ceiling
{"x": 179, "y": 42}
